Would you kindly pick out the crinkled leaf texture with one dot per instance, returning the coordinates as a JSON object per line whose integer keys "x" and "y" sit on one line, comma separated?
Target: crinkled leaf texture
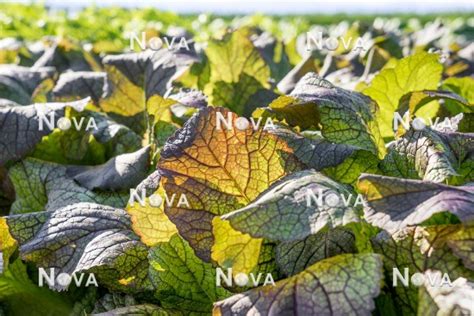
{"x": 413, "y": 73}
{"x": 294, "y": 256}
{"x": 20, "y": 127}
{"x": 298, "y": 205}
{"x": 97, "y": 139}
{"x": 218, "y": 170}
{"x": 394, "y": 203}
{"x": 340, "y": 285}
{"x": 182, "y": 281}
{"x": 111, "y": 301}
{"x": 41, "y": 185}
{"x": 419, "y": 249}
{"x": 143, "y": 309}
{"x": 84, "y": 237}
{"x": 320, "y": 154}
{"x": 344, "y": 116}
{"x": 343, "y": 163}
{"x": 428, "y": 154}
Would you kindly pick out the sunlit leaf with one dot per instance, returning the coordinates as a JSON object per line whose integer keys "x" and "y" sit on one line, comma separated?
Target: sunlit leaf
{"x": 414, "y": 73}
{"x": 341, "y": 285}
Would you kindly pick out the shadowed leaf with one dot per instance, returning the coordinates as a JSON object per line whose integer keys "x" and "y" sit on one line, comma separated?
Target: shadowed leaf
{"x": 295, "y": 256}
{"x": 218, "y": 170}
{"x": 84, "y": 237}
{"x": 394, "y": 203}
{"x": 20, "y": 128}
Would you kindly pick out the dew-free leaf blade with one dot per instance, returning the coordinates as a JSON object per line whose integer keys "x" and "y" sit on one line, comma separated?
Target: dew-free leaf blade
{"x": 341, "y": 285}
{"x": 42, "y": 185}
{"x": 298, "y": 205}
{"x": 344, "y": 116}
{"x": 84, "y": 237}
{"x": 22, "y": 127}
{"x": 419, "y": 249}
{"x": 413, "y": 73}
{"x": 218, "y": 170}
{"x": 182, "y": 281}
{"x": 393, "y": 203}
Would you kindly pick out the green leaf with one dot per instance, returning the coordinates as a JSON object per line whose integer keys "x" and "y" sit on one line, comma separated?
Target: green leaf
{"x": 218, "y": 171}
{"x": 242, "y": 96}
{"x": 143, "y": 309}
{"x": 344, "y": 117}
{"x": 237, "y": 72}
{"x": 298, "y": 205}
{"x": 103, "y": 244}
{"x": 420, "y": 249}
{"x": 12, "y": 51}
{"x": 112, "y": 301}
{"x": 160, "y": 119}
{"x": 462, "y": 86}
{"x": 20, "y": 296}
{"x": 41, "y": 185}
{"x": 341, "y": 162}
{"x": 413, "y": 101}
{"x": 295, "y": 256}
{"x": 394, "y": 203}
{"x": 136, "y": 77}
{"x": 21, "y": 129}
{"x": 317, "y": 153}
{"x": 273, "y": 52}
{"x": 93, "y": 138}
{"x": 149, "y": 220}
{"x": 414, "y": 73}
{"x": 7, "y": 245}
{"x": 182, "y": 281}
{"x": 236, "y": 250}
{"x": 341, "y": 285}
{"x": 350, "y": 169}
{"x": 427, "y": 154}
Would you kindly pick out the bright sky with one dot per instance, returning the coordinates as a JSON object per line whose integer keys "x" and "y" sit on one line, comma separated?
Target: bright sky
{"x": 279, "y": 6}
